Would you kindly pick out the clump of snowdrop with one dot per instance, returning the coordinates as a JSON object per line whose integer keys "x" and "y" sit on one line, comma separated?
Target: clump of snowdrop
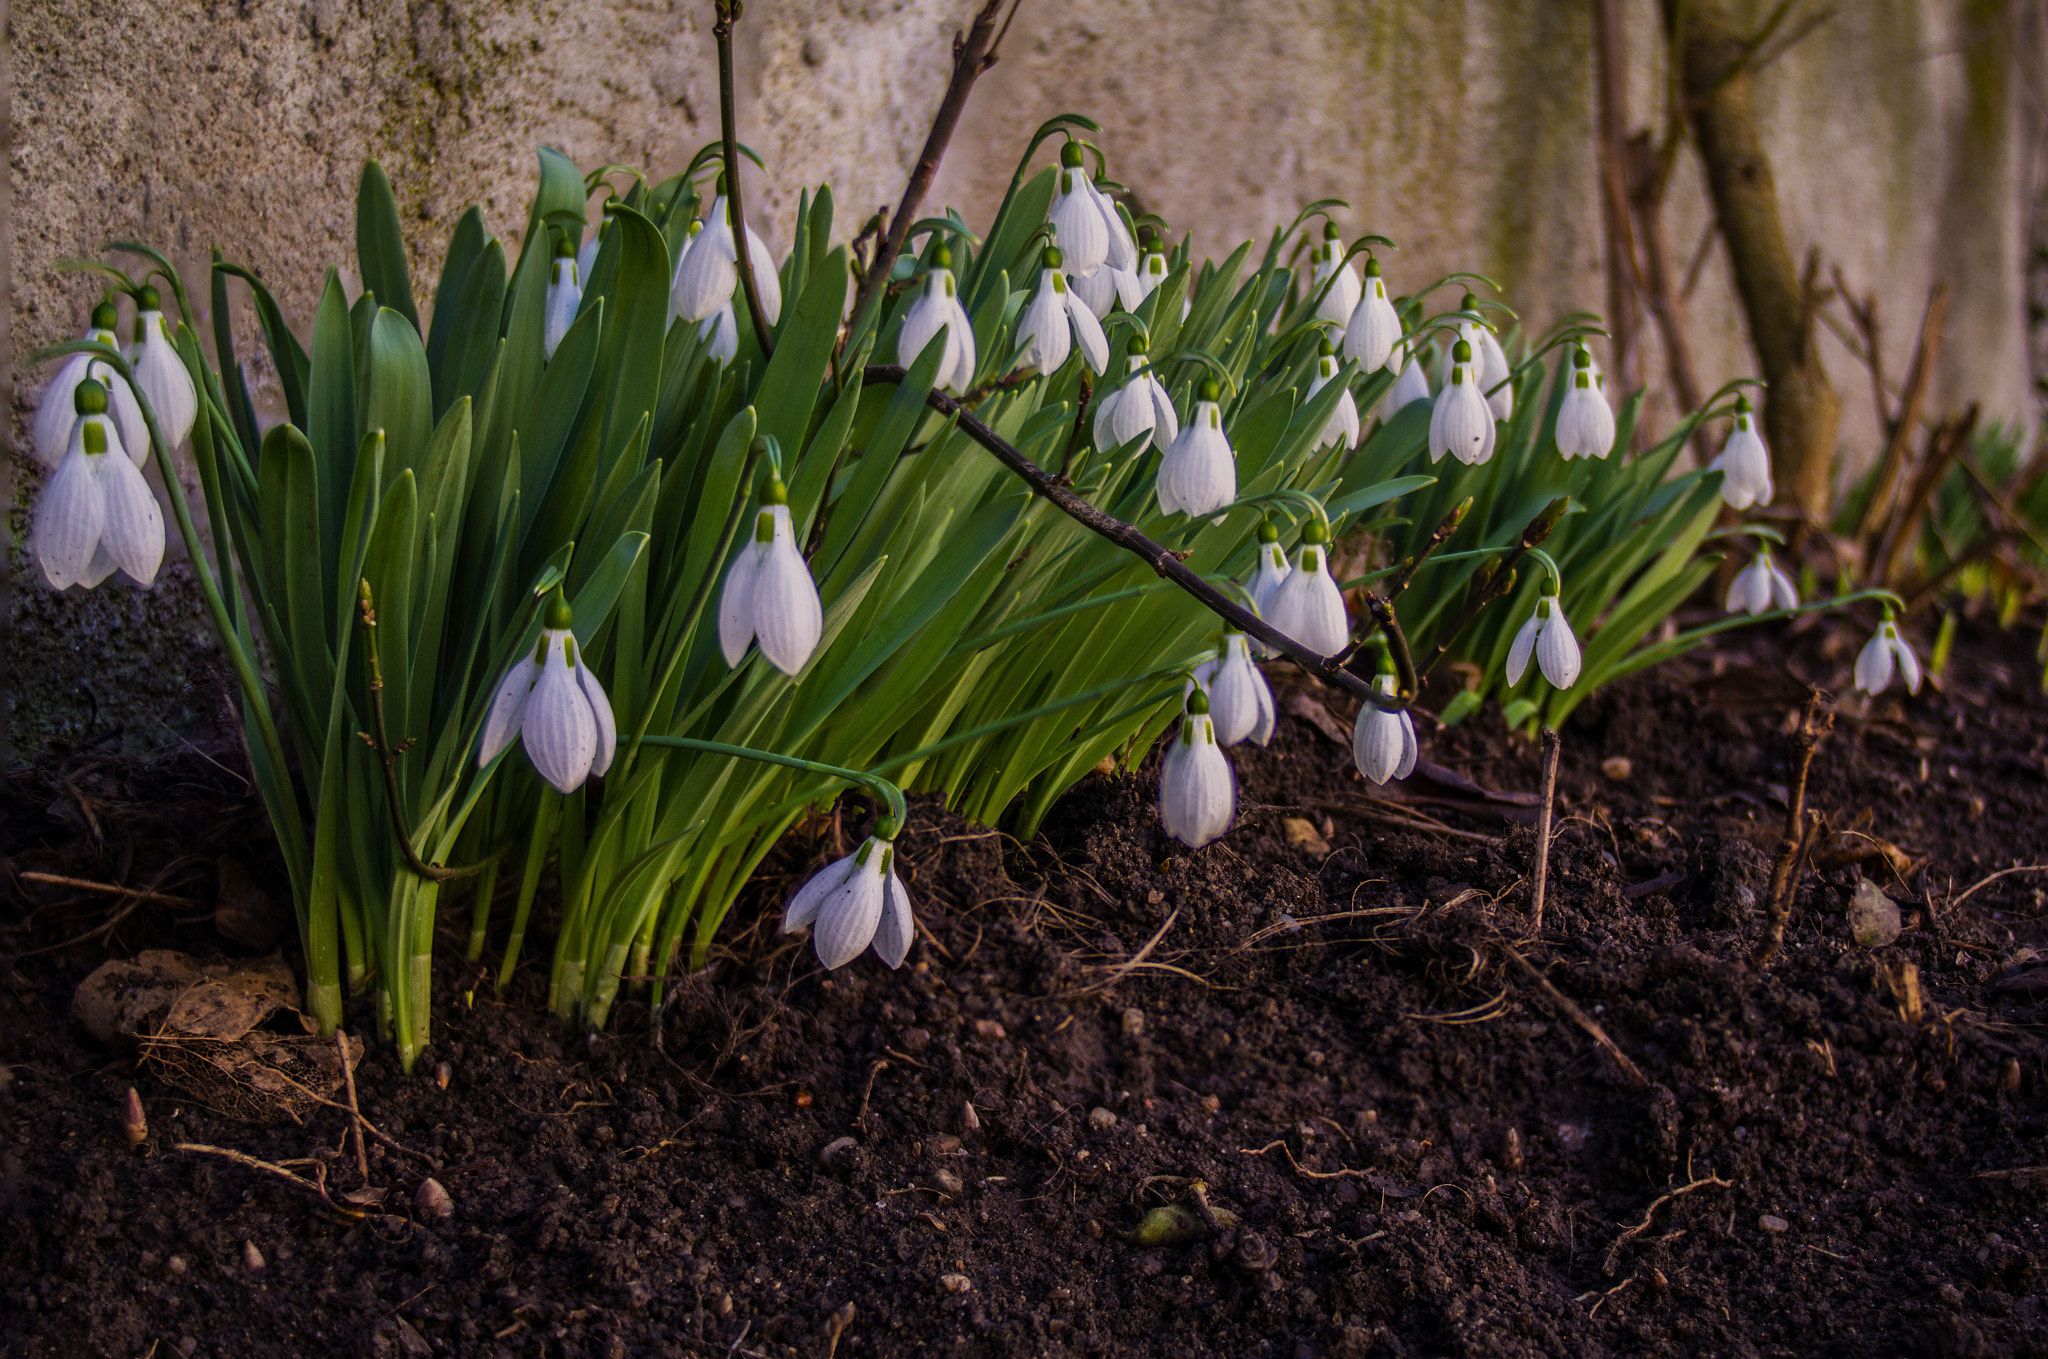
{"x": 856, "y": 902}
{"x": 1240, "y": 700}
{"x": 1744, "y": 464}
{"x": 1383, "y": 742}
{"x": 160, "y": 375}
{"x": 1197, "y": 786}
{"x": 565, "y": 296}
{"x": 938, "y": 308}
{"x": 1308, "y": 606}
{"x": 1462, "y": 424}
{"x": 96, "y": 514}
{"x": 1883, "y": 655}
{"x": 1056, "y": 322}
{"x": 769, "y": 595}
{"x": 1139, "y": 406}
{"x": 56, "y": 413}
{"x": 1198, "y": 473}
{"x": 552, "y": 702}
{"x": 1548, "y": 637}
{"x": 1585, "y": 425}
{"x": 1761, "y": 587}
{"x": 709, "y": 270}
{"x": 1342, "y": 426}
{"x": 1329, "y": 263}
{"x": 1372, "y": 332}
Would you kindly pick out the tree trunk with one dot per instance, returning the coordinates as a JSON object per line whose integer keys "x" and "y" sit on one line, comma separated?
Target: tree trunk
{"x": 1801, "y": 411}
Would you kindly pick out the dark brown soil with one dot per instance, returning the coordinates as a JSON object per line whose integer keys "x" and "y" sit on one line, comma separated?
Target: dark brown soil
{"x": 1423, "y": 1153}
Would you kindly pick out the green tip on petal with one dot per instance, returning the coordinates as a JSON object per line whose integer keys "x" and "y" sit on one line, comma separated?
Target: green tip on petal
{"x": 564, "y": 250}
{"x": 1212, "y": 390}
{"x": 94, "y": 438}
{"x": 1070, "y": 154}
{"x": 1324, "y": 348}
{"x": 1584, "y": 358}
{"x": 560, "y": 616}
{"x": 1198, "y": 701}
{"x": 1742, "y": 406}
{"x": 1461, "y": 352}
{"x": 1372, "y": 267}
{"x": 89, "y": 397}
{"x": 888, "y": 828}
{"x": 148, "y": 298}
{"x": 1316, "y": 532}
{"x": 1329, "y": 230}
{"x": 942, "y": 257}
{"x": 1268, "y": 533}
{"x": 104, "y": 317}
{"x": 1052, "y": 258}
{"x": 773, "y": 492}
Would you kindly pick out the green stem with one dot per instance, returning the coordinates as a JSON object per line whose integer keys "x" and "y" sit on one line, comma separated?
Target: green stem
{"x": 884, "y": 792}
{"x": 529, "y": 881}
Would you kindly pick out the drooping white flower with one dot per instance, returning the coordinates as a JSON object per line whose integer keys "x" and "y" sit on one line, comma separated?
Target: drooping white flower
{"x": 1267, "y": 575}
{"x": 1197, "y": 786}
{"x": 1139, "y": 406}
{"x": 1373, "y": 329}
{"x": 56, "y": 413}
{"x": 709, "y": 270}
{"x": 1744, "y": 464}
{"x": 1462, "y": 424}
{"x": 1078, "y": 228}
{"x": 1240, "y": 700}
{"x": 769, "y": 595}
{"x": 1585, "y": 425}
{"x": 1198, "y": 474}
{"x": 1489, "y": 363}
{"x": 1548, "y": 637}
{"x": 1345, "y": 290}
{"x": 160, "y": 374}
{"x": 1382, "y": 742}
{"x": 552, "y": 701}
{"x": 1152, "y": 267}
{"x": 1410, "y": 387}
{"x": 675, "y": 283}
{"x": 1761, "y": 587}
{"x": 852, "y": 903}
{"x": 1055, "y": 320}
{"x": 938, "y": 308}
{"x": 1121, "y": 252}
{"x": 96, "y": 514}
{"x": 1102, "y": 290}
{"x": 1875, "y": 663}
{"x": 1342, "y": 426}
{"x": 721, "y": 333}
{"x": 1308, "y": 606}
{"x": 565, "y": 295}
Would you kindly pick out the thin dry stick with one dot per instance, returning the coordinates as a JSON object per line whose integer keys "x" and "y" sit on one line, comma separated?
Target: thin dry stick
{"x": 240, "y": 1158}
{"x": 1614, "y": 1251}
{"x": 728, "y": 11}
{"x": 1127, "y": 968}
{"x": 860, "y": 1120}
{"x": 1974, "y": 889}
{"x": 1581, "y": 1018}
{"x": 1552, "y": 742}
{"x": 355, "y": 1121}
{"x": 113, "y": 889}
{"x": 1799, "y": 833}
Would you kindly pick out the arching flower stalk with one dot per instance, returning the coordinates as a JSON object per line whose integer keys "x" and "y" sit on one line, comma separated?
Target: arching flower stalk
{"x": 1342, "y": 426}
{"x": 1462, "y": 424}
{"x": 1744, "y": 464}
{"x": 1585, "y": 425}
{"x": 1198, "y": 473}
{"x": 1139, "y": 406}
{"x": 1240, "y": 700}
{"x": 1056, "y": 321}
{"x": 1761, "y": 586}
{"x": 160, "y": 374}
{"x": 855, "y": 902}
{"x": 56, "y": 413}
{"x": 1076, "y": 217}
{"x": 96, "y": 514}
{"x": 1308, "y": 606}
{"x": 1382, "y": 742}
{"x": 565, "y": 296}
{"x": 1885, "y": 652}
{"x": 552, "y": 702}
{"x": 938, "y": 308}
{"x": 1342, "y": 299}
{"x": 769, "y": 595}
{"x": 710, "y": 271}
{"x": 1197, "y": 786}
{"x": 1372, "y": 333}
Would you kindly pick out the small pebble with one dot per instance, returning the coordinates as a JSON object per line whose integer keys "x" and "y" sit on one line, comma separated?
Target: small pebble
{"x": 1134, "y": 1023}
{"x": 1302, "y": 834}
{"x": 988, "y": 1028}
{"x": 252, "y": 1258}
{"x": 443, "y": 1073}
{"x": 1776, "y": 1226}
{"x": 189, "y": 1346}
{"x": 954, "y": 1283}
{"x": 946, "y": 1182}
{"x": 1211, "y": 1103}
{"x": 1617, "y": 767}
{"x": 945, "y": 1144}
{"x": 969, "y": 1121}
{"x": 1101, "y": 1119}
{"x": 835, "y": 1151}
{"x": 1873, "y": 916}
{"x": 432, "y": 1201}
{"x": 177, "y": 1264}
{"x": 1316, "y": 1058}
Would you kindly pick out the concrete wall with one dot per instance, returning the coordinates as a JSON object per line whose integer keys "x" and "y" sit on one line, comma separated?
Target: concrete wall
{"x": 1905, "y": 133}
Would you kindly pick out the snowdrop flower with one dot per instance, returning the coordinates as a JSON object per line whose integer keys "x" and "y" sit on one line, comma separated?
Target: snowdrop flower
{"x": 553, "y": 701}
{"x": 1078, "y": 228}
{"x": 1197, "y": 787}
{"x": 1103, "y": 289}
{"x": 1308, "y": 606}
{"x": 1272, "y": 569}
{"x": 1373, "y": 329}
{"x": 1549, "y": 638}
{"x": 160, "y": 373}
{"x": 1122, "y": 254}
{"x": 1585, "y": 426}
{"x": 769, "y": 595}
{"x": 1240, "y": 700}
{"x": 721, "y": 332}
{"x": 675, "y": 283}
{"x": 586, "y": 254}
{"x": 1342, "y": 426}
{"x": 1055, "y": 320}
{"x": 1874, "y": 663}
{"x": 709, "y": 270}
{"x": 1461, "y": 425}
{"x": 1762, "y": 587}
{"x": 96, "y": 513}
{"x": 1152, "y": 267}
{"x": 938, "y": 308}
{"x": 1343, "y": 297}
{"x": 565, "y": 295}
{"x": 1382, "y": 742}
{"x": 855, "y": 902}
{"x": 56, "y": 413}
{"x": 1410, "y": 387}
{"x": 1489, "y": 363}
{"x": 1198, "y": 474}
{"x": 1140, "y": 406}
{"x": 1744, "y": 464}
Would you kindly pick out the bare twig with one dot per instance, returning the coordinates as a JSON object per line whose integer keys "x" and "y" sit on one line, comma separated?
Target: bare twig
{"x": 113, "y": 889}
{"x": 1799, "y": 833}
{"x": 1540, "y": 878}
{"x": 1710, "y": 1182}
{"x": 1581, "y": 1018}
{"x": 355, "y": 1121}
{"x": 315, "y": 1187}
{"x": 1624, "y": 287}
{"x": 1983, "y": 883}
{"x": 728, "y": 11}
{"x": 1130, "y": 965}
{"x": 1900, "y": 427}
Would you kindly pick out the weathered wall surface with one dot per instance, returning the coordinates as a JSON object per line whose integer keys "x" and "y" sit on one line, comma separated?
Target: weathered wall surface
{"x": 1906, "y": 138}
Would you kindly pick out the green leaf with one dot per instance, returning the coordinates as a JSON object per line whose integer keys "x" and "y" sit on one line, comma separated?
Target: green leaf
{"x": 398, "y": 397}
{"x": 464, "y": 249}
{"x": 331, "y": 410}
{"x": 380, "y": 245}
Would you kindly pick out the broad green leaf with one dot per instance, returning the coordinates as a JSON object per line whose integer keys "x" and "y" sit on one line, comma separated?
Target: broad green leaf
{"x": 380, "y": 245}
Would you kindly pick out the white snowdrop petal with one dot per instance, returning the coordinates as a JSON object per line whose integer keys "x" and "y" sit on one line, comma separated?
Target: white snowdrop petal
{"x": 1494, "y": 374}
{"x": 1376, "y": 743}
{"x": 1129, "y": 290}
{"x": 1461, "y": 425}
{"x": 70, "y": 514}
{"x": 565, "y": 295}
{"x": 99, "y": 569}
{"x": 1523, "y": 648}
{"x": 1784, "y": 594}
{"x": 1197, "y": 787}
{"x": 1408, "y": 749}
{"x": 964, "y": 357}
{"x": 162, "y": 376}
{"x": 1096, "y": 291}
{"x": 1909, "y": 664}
{"x": 557, "y": 726}
{"x": 736, "y": 603}
{"x": 1309, "y": 607}
{"x": 1165, "y": 421}
{"x": 1372, "y": 329}
{"x": 1343, "y": 423}
{"x": 133, "y": 533}
{"x": 1078, "y": 228}
{"x": 1557, "y": 650}
{"x": 600, "y": 715}
{"x": 1088, "y": 334}
{"x": 803, "y": 907}
{"x": 897, "y": 926}
{"x": 788, "y": 618}
{"x": 1874, "y": 665}
{"x": 1410, "y": 387}
{"x": 847, "y": 918}
{"x": 708, "y": 273}
{"x": 922, "y": 321}
{"x": 1044, "y": 335}
{"x": 506, "y": 706}
{"x": 767, "y": 281}
{"x": 1120, "y": 251}
{"x": 722, "y": 334}
{"x": 1235, "y": 690}
{"x": 57, "y": 412}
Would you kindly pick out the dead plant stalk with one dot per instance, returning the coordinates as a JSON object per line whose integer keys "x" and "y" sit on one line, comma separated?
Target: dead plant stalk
{"x": 1800, "y": 833}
